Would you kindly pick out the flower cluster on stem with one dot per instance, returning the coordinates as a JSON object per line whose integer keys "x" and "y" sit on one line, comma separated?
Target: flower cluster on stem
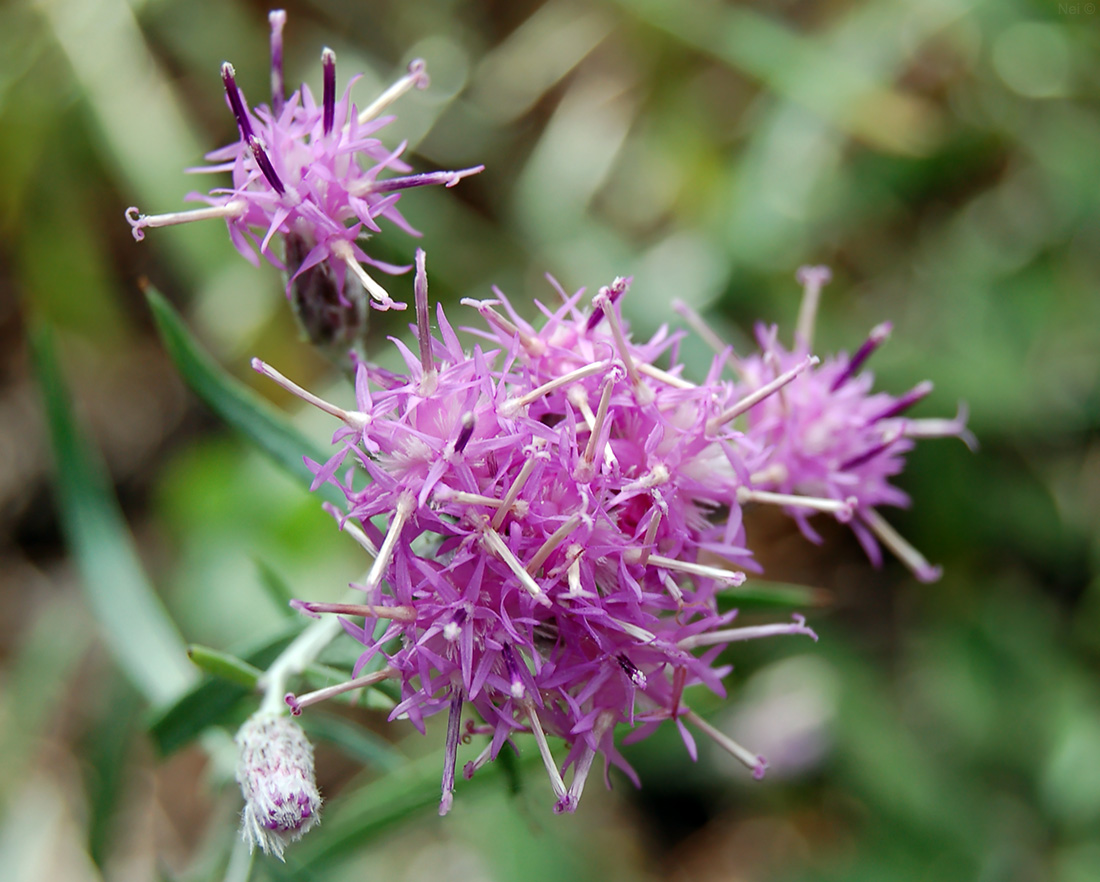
{"x": 315, "y": 176}
{"x": 561, "y": 513}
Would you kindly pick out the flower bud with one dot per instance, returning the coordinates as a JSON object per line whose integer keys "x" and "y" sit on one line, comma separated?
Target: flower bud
{"x": 275, "y": 771}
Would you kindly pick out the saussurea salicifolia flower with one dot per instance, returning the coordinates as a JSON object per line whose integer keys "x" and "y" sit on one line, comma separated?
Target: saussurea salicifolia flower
{"x": 275, "y": 771}
{"x": 313, "y": 175}
{"x": 830, "y": 435}
{"x": 562, "y": 517}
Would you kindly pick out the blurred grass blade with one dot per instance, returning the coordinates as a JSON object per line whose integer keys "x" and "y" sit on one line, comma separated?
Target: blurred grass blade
{"x": 234, "y": 402}
{"x": 356, "y": 742}
{"x": 135, "y": 625}
{"x": 761, "y": 594}
{"x": 211, "y": 701}
{"x": 276, "y": 587}
{"x": 224, "y": 665}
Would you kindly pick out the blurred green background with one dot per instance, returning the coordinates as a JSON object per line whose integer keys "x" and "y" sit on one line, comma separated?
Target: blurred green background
{"x": 942, "y": 156}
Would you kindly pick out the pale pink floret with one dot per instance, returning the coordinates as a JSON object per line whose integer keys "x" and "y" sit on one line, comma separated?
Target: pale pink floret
{"x": 312, "y": 173}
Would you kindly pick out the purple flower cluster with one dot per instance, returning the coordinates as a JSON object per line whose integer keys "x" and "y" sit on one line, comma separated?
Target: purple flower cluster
{"x": 832, "y": 437}
{"x": 312, "y": 174}
{"x": 563, "y": 514}
{"x": 553, "y": 513}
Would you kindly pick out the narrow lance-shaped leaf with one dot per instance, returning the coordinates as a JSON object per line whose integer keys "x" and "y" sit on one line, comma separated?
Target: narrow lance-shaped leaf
{"x": 233, "y": 401}
{"x": 761, "y": 594}
{"x": 135, "y": 625}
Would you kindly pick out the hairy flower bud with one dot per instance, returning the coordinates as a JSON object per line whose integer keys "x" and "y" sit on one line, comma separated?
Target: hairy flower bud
{"x": 275, "y": 771}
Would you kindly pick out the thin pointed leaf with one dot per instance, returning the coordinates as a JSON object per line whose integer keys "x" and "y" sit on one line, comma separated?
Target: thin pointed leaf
{"x": 277, "y": 588}
{"x": 233, "y": 401}
{"x": 135, "y": 625}
{"x": 212, "y": 701}
{"x": 761, "y": 594}
{"x": 224, "y": 665}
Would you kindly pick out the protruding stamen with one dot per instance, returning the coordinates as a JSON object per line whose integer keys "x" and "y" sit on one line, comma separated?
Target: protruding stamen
{"x": 941, "y": 428}
{"x": 264, "y": 162}
{"x": 556, "y": 781}
{"x": 417, "y": 76}
{"x": 468, "y": 422}
{"x": 613, "y": 292}
{"x": 750, "y": 760}
{"x": 673, "y": 589}
{"x": 879, "y": 335}
{"x": 481, "y": 759}
{"x": 277, "y": 19}
{"x": 586, "y": 467}
{"x": 650, "y": 539}
{"x": 727, "y": 577}
{"x": 578, "y": 397}
{"x": 366, "y": 610}
{"x": 235, "y": 103}
{"x": 905, "y": 552}
{"x": 450, "y": 754}
{"x": 494, "y": 543}
{"x": 573, "y": 576}
{"x": 297, "y": 702}
{"x": 812, "y": 279}
{"x": 138, "y": 222}
{"x": 889, "y": 437}
{"x": 552, "y": 542}
{"x": 347, "y": 526}
{"x": 703, "y": 330}
{"x": 636, "y": 631}
{"x": 424, "y": 179}
{"x": 353, "y": 418}
{"x": 921, "y": 390}
{"x": 514, "y": 491}
{"x": 760, "y": 394}
{"x": 665, "y": 377}
{"x": 405, "y": 505}
{"x": 642, "y": 393}
{"x": 342, "y": 250}
{"x": 328, "y": 89}
{"x": 428, "y": 373}
{"x": 514, "y": 405}
{"x": 735, "y": 635}
{"x": 444, "y": 495}
{"x": 534, "y": 346}
{"x": 841, "y": 508}
{"x": 584, "y": 764}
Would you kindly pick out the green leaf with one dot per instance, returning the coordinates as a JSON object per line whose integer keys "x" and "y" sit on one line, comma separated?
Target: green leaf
{"x": 212, "y": 701}
{"x": 761, "y": 594}
{"x": 277, "y": 588}
{"x": 353, "y": 820}
{"x": 355, "y": 741}
{"x": 233, "y": 401}
{"x": 224, "y": 665}
{"x": 137, "y": 629}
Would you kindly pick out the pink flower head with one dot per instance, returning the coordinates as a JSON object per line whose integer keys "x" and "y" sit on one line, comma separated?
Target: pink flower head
{"x": 831, "y": 436}
{"x": 312, "y": 174}
{"x": 562, "y": 515}
{"x": 275, "y": 771}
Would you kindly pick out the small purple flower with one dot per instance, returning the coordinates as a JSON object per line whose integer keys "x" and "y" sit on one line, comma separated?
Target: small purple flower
{"x": 312, "y": 174}
{"x": 832, "y": 438}
{"x": 275, "y": 771}
{"x": 562, "y": 515}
